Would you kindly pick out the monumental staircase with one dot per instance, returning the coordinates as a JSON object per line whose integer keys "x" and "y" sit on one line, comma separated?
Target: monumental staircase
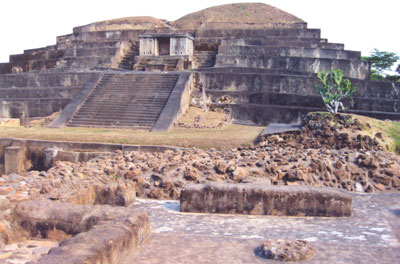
{"x": 125, "y": 101}
{"x": 262, "y": 72}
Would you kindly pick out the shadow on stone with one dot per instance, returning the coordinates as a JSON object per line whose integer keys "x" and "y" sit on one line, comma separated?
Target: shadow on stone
{"x": 396, "y": 212}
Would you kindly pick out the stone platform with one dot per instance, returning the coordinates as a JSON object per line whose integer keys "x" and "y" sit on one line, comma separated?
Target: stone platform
{"x": 371, "y": 235}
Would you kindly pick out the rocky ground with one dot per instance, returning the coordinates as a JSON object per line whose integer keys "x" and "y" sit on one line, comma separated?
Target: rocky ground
{"x": 332, "y": 154}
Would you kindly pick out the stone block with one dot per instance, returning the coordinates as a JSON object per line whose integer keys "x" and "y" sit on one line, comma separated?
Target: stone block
{"x": 14, "y": 160}
{"x": 100, "y": 234}
{"x": 265, "y": 200}
{"x": 48, "y": 157}
{"x": 70, "y": 156}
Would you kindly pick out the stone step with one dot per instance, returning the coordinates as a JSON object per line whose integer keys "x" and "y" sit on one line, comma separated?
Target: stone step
{"x": 45, "y": 80}
{"x": 96, "y": 44}
{"x": 87, "y": 62}
{"x": 110, "y": 119}
{"x": 112, "y": 123}
{"x": 153, "y": 84}
{"x": 214, "y": 43}
{"x": 28, "y": 66}
{"x": 38, "y": 55}
{"x": 111, "y": 105}
{"x": 90, "y": 52}
{"x": 279, "y": 82}
{"x": 352, "y": 68}
{"x": 39, "y": 93}
{"x": 268, "y": 32}
{"x": 134, "y": 114}
{"x": 125, "y": 100}
{"x": 111, "y": 126}
{"x": 288, "y": 52}
{"x": 301, "y": 100}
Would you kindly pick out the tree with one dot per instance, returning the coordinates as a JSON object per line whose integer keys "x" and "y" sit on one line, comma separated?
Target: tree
{"x": 381, "y": 61}
{"x": 334, "y": 89}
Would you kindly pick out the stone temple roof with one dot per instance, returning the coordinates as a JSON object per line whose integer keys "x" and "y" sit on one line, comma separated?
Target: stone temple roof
{"x": 243, "y": 15}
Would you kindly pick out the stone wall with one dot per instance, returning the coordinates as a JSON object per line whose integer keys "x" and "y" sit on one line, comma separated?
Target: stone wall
{"x": 264, "y": 200}
{"x": 40, "y": 94}
{"x": 33, "y": 152}
{"x": 263, "y": 97}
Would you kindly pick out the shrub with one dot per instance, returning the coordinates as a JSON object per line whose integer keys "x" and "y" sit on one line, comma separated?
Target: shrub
{"x": 334, "y": 89}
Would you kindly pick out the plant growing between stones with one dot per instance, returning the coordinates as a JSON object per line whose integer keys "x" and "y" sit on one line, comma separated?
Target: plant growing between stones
{"x": 334, "y": 89}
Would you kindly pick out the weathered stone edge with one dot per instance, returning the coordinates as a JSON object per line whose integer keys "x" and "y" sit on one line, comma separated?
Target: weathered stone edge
{"x": 176, "y": 105}
{"x": 102, "y": 234}
{"x": 265, "y": 200}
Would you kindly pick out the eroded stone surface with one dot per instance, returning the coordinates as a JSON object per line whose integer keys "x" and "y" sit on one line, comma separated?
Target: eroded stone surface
{"x": 25, "y": 251}
{"x": 100, "y": 234}
{"x": 287, "y": 250}
{"x": 264, "y": 200}
{"x": 371, "y": 235}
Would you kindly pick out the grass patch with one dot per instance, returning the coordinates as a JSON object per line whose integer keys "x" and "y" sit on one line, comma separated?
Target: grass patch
{"x": 228, "y": 137}
{"x": 394, "y": 132}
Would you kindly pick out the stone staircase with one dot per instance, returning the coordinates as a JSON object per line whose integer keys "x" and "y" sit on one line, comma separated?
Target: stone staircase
{"x": 204, "y": 59}
{"x": 127, "y": 61}
{"x": 125, "y": 101}
{"x": 156, "y": 63}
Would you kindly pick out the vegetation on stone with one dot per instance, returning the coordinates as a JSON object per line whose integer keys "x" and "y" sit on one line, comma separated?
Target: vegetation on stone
{"x": 334, "y": 89}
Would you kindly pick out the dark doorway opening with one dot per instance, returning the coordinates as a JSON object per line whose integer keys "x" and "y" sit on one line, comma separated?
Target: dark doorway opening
{"x": 163, "y": 46}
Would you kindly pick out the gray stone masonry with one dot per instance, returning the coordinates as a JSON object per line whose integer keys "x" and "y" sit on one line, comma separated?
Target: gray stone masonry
{"x": 265, "y": 200}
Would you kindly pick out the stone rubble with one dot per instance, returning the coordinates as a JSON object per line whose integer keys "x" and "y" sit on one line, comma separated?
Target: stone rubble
{"x": 326, "y": 160}
{"x": 27, "y": 251}
{"x": 287, "y": 250}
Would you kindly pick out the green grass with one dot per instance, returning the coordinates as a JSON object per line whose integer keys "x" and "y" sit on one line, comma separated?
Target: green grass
{"x": 394, "y": 132}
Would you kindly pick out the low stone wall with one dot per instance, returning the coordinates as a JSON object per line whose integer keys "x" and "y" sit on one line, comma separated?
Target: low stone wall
{"x": 41, "y": 154}
{"x": 101, "y": 234}
{"x": 265, "y": 200}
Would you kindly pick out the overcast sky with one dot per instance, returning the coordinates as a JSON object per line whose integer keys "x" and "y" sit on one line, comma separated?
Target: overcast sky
{"x": 360, "y": 25}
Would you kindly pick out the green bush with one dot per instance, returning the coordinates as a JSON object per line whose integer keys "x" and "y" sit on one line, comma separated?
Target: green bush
{"x": 334, "y": 89}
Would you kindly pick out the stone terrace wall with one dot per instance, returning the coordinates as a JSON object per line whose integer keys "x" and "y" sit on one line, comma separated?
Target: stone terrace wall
{"x": 41, "y": 94}
{"x": 273, "y": 96}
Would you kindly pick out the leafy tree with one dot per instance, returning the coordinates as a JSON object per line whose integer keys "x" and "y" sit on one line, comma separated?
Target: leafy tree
{"x": 382, "y": 60}
{"x": 334, "y": 89}
{"x": 398, "y": 69}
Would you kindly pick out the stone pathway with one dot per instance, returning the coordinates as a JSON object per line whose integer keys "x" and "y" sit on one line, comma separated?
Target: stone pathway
{"x": 25, "y": 251}
{"x": 371, "y": 235}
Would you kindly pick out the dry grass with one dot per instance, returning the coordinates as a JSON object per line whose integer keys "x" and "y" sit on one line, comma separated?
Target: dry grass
{"x": 127, "y": 23}
{"x": 228, "y": 137}
{"x": 390, "y": 131}
{"x": 197, "y": 116}
{"x": 244, "y": 13}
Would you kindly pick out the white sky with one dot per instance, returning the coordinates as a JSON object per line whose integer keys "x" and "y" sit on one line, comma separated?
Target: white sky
{"x": 360, "y": 25}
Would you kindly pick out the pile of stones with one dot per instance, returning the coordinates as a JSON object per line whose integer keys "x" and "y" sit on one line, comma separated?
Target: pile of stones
{"x": 116, "y": 178}
{"x": 330, "y": 131}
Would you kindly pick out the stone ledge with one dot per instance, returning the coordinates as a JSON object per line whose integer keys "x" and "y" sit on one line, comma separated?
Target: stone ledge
{"x": 265, "y": 200}
{"x": 101, "y": 234}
